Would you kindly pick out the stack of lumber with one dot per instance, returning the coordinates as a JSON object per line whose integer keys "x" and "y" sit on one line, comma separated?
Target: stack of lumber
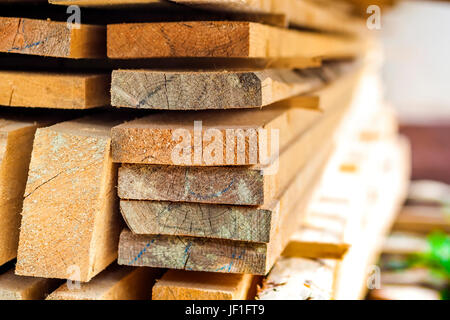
{"x": 361, "y": 191}
{"x": 239, "y": 123}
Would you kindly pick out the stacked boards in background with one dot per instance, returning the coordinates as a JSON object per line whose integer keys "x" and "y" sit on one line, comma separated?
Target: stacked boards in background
{"x": 225, "y": 129}
{"x": 419, "y": 236}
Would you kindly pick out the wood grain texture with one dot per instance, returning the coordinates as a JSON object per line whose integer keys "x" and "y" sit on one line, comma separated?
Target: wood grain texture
{"x": 299, "y": 279}
{"x": 13, "y": 287}
{"x": 114, "y": 283}
{"x": 152, "y": 139}
{"x": 51, "y": 39}
{"x": 302, "y": 13}
{"x": 183, "y": 285}
{"x": 225, "y": 185}
{"x": 70, "y": 216}
{"x": 16, "y": 143}
{"x": 54, "y": 90}
{"x": 222, "y": 256}
{"x": 224, "y": 40}
{"x": 230, "y": 185}
{"x": 169, "y": 90}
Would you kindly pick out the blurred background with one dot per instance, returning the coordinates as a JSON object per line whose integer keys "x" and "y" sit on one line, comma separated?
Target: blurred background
{"x": 416, "y": 40}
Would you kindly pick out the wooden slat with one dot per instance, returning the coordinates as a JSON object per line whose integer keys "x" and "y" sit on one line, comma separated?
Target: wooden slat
{"x": 16, "y": 143}
{"x": 51, "y": 39}
{"x": 70, "y": 214}
{"x": 423, "y": 219}
{"x": 299, "y": 279}
{"x": 13, "y": 287}
{"x": 114, "y": 283}
{"x": 222, "y": 256}
{"x": 302, "y": 13}
{"x": 171, "y": 90}
{"x": 225, "y": 40}
{"x": 183, "y": 285}
{"x": 54, "y": 90}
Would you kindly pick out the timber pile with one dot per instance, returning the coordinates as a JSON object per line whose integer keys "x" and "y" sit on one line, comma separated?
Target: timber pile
{"x": 239, "y": 123}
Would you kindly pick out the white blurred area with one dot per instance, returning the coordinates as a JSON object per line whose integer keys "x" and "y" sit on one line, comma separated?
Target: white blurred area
{"x": 416, "y": 40}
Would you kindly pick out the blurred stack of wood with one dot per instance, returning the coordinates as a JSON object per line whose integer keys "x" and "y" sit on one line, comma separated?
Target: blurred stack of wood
{"x": 211, "y": 191}
{"x": 415, "y": 258}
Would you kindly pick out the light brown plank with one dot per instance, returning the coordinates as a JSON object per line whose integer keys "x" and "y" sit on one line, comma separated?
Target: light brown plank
{"x": 114, "y": 283}
{"x": 13, "y": 287}
{"x": 183, "y": 285}
{"x": 302, "y": 13}
{"x": 51, "y": 39}
{"x": 54, "y": 90}
{"x": 299, "y": 279}
{"x": 70, "y": 218}
{"x": 16, "y": 143}
{"x": 224, "y": 40}
{"x": 197, "y": 90}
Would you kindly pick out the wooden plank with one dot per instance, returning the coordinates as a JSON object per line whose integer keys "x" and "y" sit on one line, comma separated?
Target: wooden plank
{"x": 70, "y": 218}
{"x": 51, "y": 39}
{"x": 301, "y": 13}
{"x": 54, "y": 90}
{"x": 13, "y": 287}
{"x": 114, "y": 283}
{"x": 222, "y": 256}
{"x": 299, "y": 279}
{"x": 16, "y": 143}
{"x": 150, "y": 140}
{"x": 183, "y": 285}
{"x": 423, "y": 219}
{"x": 172, "y": 90}
{"x": 210, "y": 39}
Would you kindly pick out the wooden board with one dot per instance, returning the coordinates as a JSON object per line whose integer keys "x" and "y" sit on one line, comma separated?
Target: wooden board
{"x": 51, "y": 39}
{"x": 14, "y": 287}
{"x": 70, "y": 218}
{"x": 225, "y": 40}
{"x": 197, "y": 90}
{"x": 16, "y": 143}
{"x": 222, "y": 256}
{"x": 114, "y": 283}
{"x": 183, "y": 285}
{"x": 423, "y": 219}
{"x": 299, "y": 279}
{"x": 54, "y": 90}
{"x": 302, "y": 13}
{"x": 151, "y": 140}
